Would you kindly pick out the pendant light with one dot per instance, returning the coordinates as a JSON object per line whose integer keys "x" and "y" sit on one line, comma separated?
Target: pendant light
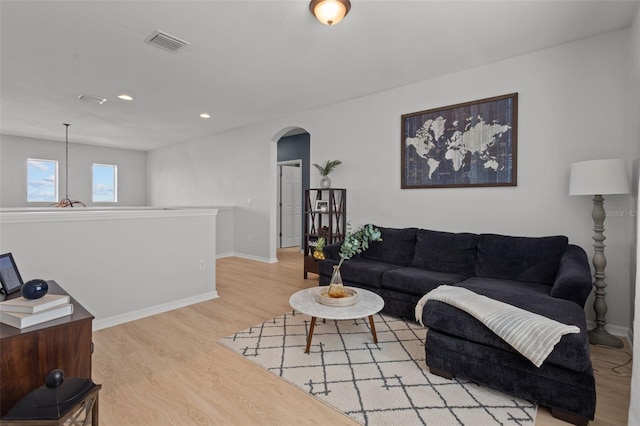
{"x": 66, "y": 202}
{"x": 330, "y": 12}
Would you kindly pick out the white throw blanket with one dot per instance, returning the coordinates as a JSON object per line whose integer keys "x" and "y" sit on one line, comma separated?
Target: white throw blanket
{"x": 533, "y": 335}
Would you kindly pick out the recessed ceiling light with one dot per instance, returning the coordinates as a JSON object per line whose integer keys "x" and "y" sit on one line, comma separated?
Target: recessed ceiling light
{"x": 205, "y": 115}
{"x": 125, "y": 97}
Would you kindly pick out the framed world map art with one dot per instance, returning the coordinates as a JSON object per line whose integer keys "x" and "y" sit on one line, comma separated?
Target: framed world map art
{"x": 464, "y": 145}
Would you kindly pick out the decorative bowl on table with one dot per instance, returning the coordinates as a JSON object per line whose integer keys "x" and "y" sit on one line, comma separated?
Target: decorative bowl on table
{"x": 324, "y": 299}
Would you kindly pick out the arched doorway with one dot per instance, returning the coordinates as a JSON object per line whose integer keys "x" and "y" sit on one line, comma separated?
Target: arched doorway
{"x": 292, "y": 178}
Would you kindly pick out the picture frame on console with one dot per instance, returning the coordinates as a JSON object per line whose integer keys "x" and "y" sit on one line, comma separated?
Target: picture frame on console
{"x": 471, "y": 144}
{"x": 10, "y": 278}
{"x": 322, "y": 205}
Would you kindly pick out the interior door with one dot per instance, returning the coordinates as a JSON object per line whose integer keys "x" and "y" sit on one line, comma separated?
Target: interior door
{"x": 290, "y": 205}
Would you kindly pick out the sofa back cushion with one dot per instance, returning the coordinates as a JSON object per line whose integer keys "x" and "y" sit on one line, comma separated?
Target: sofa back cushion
{"x": 534, "y": 260}
{"x": 445, "y": 252}
{"x": 395, "y": 248}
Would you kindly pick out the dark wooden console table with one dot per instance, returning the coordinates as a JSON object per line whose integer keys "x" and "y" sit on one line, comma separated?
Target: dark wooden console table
{"x": 30, "y": 354}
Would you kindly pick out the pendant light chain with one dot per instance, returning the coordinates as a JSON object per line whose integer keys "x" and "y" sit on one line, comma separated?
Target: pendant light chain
{"x": 66, "y": 201}
{"x": 66, "y": 164}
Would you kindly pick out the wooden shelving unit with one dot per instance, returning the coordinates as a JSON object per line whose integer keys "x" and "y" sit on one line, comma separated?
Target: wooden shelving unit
{"x": 326, "y": 219}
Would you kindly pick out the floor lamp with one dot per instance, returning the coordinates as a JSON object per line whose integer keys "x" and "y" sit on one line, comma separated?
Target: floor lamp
{"x": 599, "y": 177}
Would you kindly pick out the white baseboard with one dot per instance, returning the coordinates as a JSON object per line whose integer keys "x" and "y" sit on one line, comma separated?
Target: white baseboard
{"x": 247, "y": 256}
{"x": 223, "y": 255}
{"x": 152, "y": 310}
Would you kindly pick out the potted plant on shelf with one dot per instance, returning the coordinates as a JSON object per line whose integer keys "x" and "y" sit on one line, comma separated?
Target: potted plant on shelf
{"x": 325, "y": 182}
{"x": 354, "y": 243}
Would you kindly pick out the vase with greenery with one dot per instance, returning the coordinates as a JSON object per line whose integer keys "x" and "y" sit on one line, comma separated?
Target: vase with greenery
{"x": 354, "y": 243}
{"x": 325, "y": 182}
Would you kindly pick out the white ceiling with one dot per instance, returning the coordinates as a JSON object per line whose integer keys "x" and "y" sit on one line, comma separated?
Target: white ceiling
{"x": 248, "y": 61}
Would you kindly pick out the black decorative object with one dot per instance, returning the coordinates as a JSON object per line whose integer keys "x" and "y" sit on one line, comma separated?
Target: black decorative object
{"x": 34, "y": 289}
{"x": 54, "y": 399}
{"x": 55, "y": 378}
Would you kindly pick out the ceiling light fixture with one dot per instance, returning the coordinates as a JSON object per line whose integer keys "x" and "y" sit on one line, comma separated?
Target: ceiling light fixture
{"x": 125, "y": 97}
{"x": 330, "y": 12}
{"x": 205, "y": 115}
{"x": 66, "y": 202}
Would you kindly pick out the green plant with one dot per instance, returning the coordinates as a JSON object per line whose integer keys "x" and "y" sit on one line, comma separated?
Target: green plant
{"x": 328, "y": 167}
{"x": 357, "y": 242}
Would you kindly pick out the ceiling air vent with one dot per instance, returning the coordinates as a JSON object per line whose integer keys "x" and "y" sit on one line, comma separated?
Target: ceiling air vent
{"x": 165, "y": 41}
{"x": 92, "y": 99}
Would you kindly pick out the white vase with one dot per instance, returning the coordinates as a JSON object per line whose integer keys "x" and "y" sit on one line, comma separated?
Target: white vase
{"x": 325, "y": 182}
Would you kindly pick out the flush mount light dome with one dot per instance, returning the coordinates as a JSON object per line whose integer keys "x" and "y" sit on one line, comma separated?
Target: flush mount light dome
{"x": 125, "y": 97}
{"x": 205, "y": 115}
{"x": 330, "y": 12}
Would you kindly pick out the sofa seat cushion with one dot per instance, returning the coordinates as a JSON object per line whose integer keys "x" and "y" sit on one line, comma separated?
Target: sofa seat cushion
{"x": 417, "y": 281}
{"x": 549, "y": 385}
{"x": 360, "y": 272}
{"x": 572, "y": 352}
{"x": 396, "y": 247}
{"x": 399, "y": 304}
{"x": 445, "y": 252}
{"x": 534, "y": 260}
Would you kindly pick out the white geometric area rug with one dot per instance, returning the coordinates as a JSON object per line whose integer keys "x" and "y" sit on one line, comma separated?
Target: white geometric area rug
{"x": 375, "y": 384}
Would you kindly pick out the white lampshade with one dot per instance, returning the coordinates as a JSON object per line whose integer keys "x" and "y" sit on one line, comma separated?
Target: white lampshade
{"x": 330, "y": 12}
{"x": 599, "y": 177}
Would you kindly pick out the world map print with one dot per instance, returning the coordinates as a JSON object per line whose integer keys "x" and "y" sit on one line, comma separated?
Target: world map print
{"x": 472, "y": 144}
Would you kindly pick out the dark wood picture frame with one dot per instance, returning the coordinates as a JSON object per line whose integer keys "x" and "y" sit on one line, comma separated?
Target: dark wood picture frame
{"x": 472, "y": 144}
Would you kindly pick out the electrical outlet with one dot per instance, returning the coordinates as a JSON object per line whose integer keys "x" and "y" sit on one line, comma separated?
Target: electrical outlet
{"x": 202, "y": 264}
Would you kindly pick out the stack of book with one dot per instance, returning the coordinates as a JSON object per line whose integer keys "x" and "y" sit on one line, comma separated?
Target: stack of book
{"x": 22, "y": 313}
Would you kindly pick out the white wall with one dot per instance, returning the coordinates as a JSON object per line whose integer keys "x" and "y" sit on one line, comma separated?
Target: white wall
{"x": 14, "y": 151}
{"x": 634, "y": 144}
{"x": 234, "y": 169}
{"x": 573, "y": 106}
{"x": 119, "y": 264}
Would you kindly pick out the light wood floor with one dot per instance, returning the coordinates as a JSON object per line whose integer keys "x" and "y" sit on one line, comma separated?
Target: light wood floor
{"x": 169, "y": 370}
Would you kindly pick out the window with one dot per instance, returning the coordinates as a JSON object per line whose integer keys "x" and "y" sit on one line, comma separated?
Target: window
{"x": 42, "y": 180}
{"x": 105, "y": 188}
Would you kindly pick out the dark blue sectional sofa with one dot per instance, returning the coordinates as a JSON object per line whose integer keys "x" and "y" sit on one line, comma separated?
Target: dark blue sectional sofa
{"x": 545, "y": 275}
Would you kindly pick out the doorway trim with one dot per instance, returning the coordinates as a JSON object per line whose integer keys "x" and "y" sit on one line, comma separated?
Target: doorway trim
{"x": 273, "y": 179}
{"x": 297, "y": 200}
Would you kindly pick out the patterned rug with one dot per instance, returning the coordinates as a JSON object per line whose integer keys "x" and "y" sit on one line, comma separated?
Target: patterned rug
{"x": 384, "y": 384}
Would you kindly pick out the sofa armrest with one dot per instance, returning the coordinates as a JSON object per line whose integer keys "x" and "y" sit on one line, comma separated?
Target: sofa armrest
{"x": 332, "y": 251}
{"x": 573, "y": 280}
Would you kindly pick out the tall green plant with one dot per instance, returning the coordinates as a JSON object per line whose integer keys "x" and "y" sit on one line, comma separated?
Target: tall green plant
{"x": 328, "y": 167}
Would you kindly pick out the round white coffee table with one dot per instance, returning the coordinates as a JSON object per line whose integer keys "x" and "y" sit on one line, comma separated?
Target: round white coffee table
{"x": 368, "y": 304}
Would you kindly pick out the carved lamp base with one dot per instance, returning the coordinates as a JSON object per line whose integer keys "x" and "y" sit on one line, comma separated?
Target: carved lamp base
{"x": 600, "y": 336}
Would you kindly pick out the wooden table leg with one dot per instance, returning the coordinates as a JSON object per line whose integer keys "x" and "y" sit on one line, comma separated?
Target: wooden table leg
{"x": 310, "y": 336}
{"x": 373, "y": 330}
